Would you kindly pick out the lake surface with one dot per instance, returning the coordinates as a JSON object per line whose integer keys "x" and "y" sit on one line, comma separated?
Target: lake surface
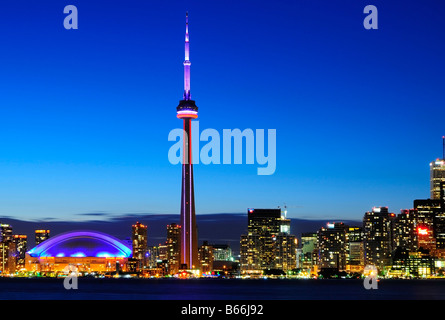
{"x": 219, "y": 289}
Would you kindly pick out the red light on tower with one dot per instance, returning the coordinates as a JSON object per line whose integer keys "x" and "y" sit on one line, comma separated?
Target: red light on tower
{"x": 422, "y": 231}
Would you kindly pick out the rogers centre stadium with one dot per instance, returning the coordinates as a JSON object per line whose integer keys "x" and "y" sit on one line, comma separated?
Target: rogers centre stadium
{"x": 89, "y": 251}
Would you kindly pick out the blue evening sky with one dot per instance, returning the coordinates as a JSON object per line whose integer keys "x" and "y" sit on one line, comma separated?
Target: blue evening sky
{"x": 85, "y": 114}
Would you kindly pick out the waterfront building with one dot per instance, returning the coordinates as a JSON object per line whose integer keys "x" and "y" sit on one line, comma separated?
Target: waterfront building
{"x": 418, "y": 264}
{"x": 222, "y": 252}
{"x": 41, "y": 235}
{"x": 7, "y": 258}
{"x": 405, "y": 235}
{"x": 139, "y": 241}
{"x": 89, "y": 251}
{"x": 309, "y": 252}
{"x": 250, "y": 255}
{"x": 429, "y": 223}
{"x": 153, "y": 256}
{"x": 377, "y": 237}
{"x": 206, "y": 258}
{"x": 354, "y": 249}
{"x": 285, "y": 251}
{"x": 20, "y": 245}
{"x": 5, "y": 232}
{"x": 332, "y": 246}
{"x": 268, "y": 243}
{"x": 173, "y": 247}
{"x": 437, "y": 174}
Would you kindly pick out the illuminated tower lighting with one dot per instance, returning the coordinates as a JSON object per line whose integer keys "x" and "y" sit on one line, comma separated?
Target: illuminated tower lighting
{"x": 187, "y": 110}
{"x": 437, "y": 174}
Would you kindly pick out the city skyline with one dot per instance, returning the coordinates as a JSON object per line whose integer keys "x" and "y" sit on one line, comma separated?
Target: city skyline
{"x": 76, "y": 109}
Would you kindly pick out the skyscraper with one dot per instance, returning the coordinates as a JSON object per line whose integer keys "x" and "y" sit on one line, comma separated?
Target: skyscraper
{"x": 139, "y": 241}
{"x": 285, "y": 249}
{"x": 405, "y": 235}
{"x": 437, "y": 174}
{"x": 5, "y": 232}
{"x": 309, "y": 253}
{"x": 187, "y": 110}
{"x": 332, "y": 246}
{"x": 173, "y": 247}
{"x": 20, "y": 241}
{"x": 428, "y": 221}
{"x": 6, "y": 248}
{"x": 377, "y": 237}
{"x": 264, "y": 224}
{"x": 41, "y": 235}
{"x": 354, "y": 249}
{"x": 206, "y": 257}
{"x": 268, "y": 243}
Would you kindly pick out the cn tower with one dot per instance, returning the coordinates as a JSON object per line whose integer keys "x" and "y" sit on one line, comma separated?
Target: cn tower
{"x": 187, "y": 110}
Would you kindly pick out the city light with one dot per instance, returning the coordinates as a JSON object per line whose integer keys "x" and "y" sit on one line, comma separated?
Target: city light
{"x": 422, "y": 231}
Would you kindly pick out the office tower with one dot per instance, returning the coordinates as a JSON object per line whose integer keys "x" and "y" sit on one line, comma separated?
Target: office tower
{"x": 4, "y": 254}
{"x": 5, "y": 232}
{"x": 41, "y": 235}
{"x": 309, "y": 252}
{"x": 153, "y": 256}
{"x": 405, "y": 235}
{"x": 437, "y": 174}
{"x": 7, "y": 257}
{"x": 429, "y": 224}
{"x": 332, "y": 246}
{"x": 439, "y": 224}
{"x": 140, "y": 243}
{"x": 222, "y": 252}
{"x": 285, "y": 251}
{"x": 6, "y": 249}
{"x": 187, "y": 110}
{"x": 377, "y": 237}
{"x": 354, "y": 249}
{"x": 21, "y": 243}
{"x": 264, "y": 223}
{"x": 265, "y": 246}
{"x": 250, "y": 262}
{"x": 173, "y": 247}
{"x": 206, "y": 257}
{"x": 163, "y": 252}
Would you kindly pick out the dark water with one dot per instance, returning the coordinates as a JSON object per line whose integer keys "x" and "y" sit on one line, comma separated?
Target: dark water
{"x": 218, "y": 289}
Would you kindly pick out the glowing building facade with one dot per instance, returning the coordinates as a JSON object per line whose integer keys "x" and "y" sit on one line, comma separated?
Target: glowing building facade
{"x": 332, "y": 246}
{"x": 186, "y": 111}
{"x": 405, "y": 235}
{"x": 354, "y": 249}
{"x": 377, "y": 237}
{"x": 139, "y": 242}
{"x": 89, "y": 251}
{"x": 206, "y": 257}
{"x": 437, "y": 174}
{"x": 173, "y": 247}
{"x": 41, "y": 235}
{"x": 20, "y": 245}
{"x": 268, "y": 243}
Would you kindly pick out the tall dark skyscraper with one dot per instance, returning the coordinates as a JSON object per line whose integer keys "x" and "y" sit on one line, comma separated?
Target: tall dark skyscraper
{"x": 268, "y": 243}
{"x": 41, "y": 235}
{"x": 377, "y": 237}
{"x": 139, "y": 243}
{"x": 173, "y": 247}
{"x": 187, "y": 110}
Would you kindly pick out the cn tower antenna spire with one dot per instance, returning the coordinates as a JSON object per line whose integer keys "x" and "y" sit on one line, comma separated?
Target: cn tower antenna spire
{"x": 443, "y": 147}
{"x": 187, "y": 111}
{"x": 187, "y": 63}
